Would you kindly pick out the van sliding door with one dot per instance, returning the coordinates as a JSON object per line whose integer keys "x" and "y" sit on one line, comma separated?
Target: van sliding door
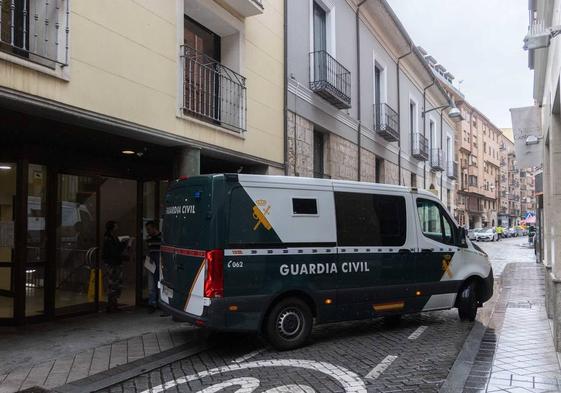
{"x": 375, "y": 253}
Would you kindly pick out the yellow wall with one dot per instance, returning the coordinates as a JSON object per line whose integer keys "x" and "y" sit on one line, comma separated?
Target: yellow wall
{"x": 124, "y": 62}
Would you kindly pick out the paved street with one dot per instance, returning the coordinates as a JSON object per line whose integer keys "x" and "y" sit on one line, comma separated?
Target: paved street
{"x": 417, "y": 355}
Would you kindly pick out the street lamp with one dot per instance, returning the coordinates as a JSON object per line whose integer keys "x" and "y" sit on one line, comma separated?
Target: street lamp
{"x": 454, "y": 113}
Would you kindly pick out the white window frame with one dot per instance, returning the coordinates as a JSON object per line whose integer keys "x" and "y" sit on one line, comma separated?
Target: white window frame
{"x": 416, "y": 117}
{"x": 383, "y": 80}
{"x": 433, "y": 134}
{"x": 329, "y": 8}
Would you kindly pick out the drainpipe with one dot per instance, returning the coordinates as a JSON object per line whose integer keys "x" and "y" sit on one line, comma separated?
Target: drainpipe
{"x": 359, "y": 111}
{"x": 445, "y": 164}
{"x": 399, "y": 111}
{"x": 285, "y": 96}
{"x": 424, "y": 132}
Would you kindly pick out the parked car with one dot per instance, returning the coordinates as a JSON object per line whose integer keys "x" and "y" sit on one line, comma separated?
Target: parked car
{"x": 472, "y": 233}
{"x": 512, "y": 232}
{"x": 487, "y": 234}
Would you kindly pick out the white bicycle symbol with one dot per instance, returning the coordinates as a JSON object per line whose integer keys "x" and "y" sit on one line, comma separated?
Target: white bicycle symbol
{"x": 349, "y": 381}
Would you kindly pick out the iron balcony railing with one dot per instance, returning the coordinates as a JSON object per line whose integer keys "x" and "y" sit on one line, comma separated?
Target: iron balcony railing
{"x": 452, "y": 170}
{"x": 213, "y": 92}
{"x": 436, "y": 159}
{"x": 420, "y": 146}
{"x": 386, "y": 122}
{"x": 330, "y": 80}
{"x": 36, "y": 30}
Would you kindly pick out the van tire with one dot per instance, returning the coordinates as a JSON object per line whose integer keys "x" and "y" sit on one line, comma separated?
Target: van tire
{"x": 289, "y": 324}
{"x": 467, "y": 302}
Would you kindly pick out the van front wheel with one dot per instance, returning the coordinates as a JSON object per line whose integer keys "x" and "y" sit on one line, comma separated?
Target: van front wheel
{"x": 289, "y": 324}
{"x": 467, "y": 302}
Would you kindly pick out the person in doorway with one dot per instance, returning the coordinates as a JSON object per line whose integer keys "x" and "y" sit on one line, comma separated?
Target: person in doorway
{"x": 153, "y": 243}
{"x": 113, "y": 256}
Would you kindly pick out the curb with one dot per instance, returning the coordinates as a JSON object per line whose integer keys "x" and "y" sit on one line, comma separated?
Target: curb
{"x": 461, "y": 368}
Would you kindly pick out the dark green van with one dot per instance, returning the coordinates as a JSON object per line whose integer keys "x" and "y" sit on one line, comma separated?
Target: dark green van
{"x": 276, "y": 254}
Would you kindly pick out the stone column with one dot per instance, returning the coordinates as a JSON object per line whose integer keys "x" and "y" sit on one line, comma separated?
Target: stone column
{"x": 549, "y": 297}
{"x": 187, "y": 162}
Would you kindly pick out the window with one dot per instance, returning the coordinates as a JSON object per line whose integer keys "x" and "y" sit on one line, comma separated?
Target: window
{"x": 435, "y": 223}
{"x": 432, "y": 130}
{"x": 320, "y": 28}
{"x": 377, "y": 84}
{"x": 413, "y": 179}
{"x": 412, "y": 116}
{"x": 370, "y": 220}
{"x": 36, "y": 30}
{"x": 319, "y": 144}
{"x": 379, "y": 170}
{"x": 304, "y": 206}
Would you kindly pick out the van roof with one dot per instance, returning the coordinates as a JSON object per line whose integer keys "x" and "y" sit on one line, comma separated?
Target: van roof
{"x": 319, "y": 183}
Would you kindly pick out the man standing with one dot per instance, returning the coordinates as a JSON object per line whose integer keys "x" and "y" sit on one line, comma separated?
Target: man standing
{"x": 153, "y": 243}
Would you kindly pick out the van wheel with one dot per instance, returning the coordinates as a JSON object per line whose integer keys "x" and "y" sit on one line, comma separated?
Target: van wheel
{"x": 467, "y": 302}
{"x": 289, "y": 324}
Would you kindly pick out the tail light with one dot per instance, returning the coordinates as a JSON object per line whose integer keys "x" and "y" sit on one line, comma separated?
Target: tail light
{"x": 214, "y": 279}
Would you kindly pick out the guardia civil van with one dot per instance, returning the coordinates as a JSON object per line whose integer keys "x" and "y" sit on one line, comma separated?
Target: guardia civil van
{"x": 277, "y": 254}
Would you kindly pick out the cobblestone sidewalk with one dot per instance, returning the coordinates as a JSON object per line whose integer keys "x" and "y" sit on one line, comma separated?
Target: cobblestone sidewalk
{"x": 113, "y": 341}
{"x": 517, "y": 352}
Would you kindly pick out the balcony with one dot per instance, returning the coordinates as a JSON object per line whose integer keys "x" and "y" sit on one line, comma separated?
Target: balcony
{"x": 212, "y": 92}
{"x": 420, "y": 147}
{"x": 436, "y": 160}
{"x": 386, "y": 122}
{"x": 330, "y": 80}
{"x": 452, "y": 170}
{"x": 246, "y": 7}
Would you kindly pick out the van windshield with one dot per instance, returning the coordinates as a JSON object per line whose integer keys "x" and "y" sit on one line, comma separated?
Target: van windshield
{"x": 187, "y": 214}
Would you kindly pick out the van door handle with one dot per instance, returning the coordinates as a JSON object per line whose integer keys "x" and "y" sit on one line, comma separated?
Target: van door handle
{"x": 427, "y": 250}
{"x": 404, "y": 251}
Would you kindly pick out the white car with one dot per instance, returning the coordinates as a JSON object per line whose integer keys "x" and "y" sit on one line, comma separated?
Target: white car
{"x": 487, "y": 234}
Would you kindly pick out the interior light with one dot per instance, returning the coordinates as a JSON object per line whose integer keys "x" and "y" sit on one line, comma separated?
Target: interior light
{"x": 4, "y": 167}
{"x": 128, "y": 152}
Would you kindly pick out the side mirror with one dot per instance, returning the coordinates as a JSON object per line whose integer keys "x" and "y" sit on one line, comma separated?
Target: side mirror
{"x": 462, "y": 237}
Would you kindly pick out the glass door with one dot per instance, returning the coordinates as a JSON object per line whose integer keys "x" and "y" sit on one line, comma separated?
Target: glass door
{"x": 8, "y": 176}
{"x": 36, "y": 240}
{"x": 76, "y": 244}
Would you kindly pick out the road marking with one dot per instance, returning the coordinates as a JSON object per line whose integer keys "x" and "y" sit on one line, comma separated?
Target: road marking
{"x": 348, "y": 380}
{"x": 248, "y": 356}
{"x": 381, "y": 367}
{"x": 415, "y": 335}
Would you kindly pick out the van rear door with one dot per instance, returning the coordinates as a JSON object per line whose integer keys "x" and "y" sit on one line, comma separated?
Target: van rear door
{"x": 187, "y": 236}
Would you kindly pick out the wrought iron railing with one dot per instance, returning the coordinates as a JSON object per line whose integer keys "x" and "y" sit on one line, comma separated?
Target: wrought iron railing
{"x": 330, "y": 80}
{"x": 213, "y": 92}
{"x": 36, "y": 30}
{"x": 420, "y": 146}
{"x": 436, "y": 159}
{"x": 386, "y": 122}
{"x": 452, "y": 170}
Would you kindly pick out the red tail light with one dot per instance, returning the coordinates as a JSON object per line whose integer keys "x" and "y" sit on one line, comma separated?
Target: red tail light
{"x": 214, "y": 279}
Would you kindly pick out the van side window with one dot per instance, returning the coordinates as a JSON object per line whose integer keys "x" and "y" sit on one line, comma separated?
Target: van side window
{"x": 370, "y": 220}
{"x": 307, "y": 206}
{"x": 435, "y": 224}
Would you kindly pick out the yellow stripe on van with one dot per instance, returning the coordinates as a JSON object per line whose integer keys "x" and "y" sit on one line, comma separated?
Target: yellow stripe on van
{"x": 392, "y": 306}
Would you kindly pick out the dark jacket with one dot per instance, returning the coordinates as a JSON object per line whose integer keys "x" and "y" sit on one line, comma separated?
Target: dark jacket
{"x": 112, "y": 251}
{"x": 153, "y": 244}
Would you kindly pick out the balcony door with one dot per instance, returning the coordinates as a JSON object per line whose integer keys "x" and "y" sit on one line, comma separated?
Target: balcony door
{"x": 202, "y": 71}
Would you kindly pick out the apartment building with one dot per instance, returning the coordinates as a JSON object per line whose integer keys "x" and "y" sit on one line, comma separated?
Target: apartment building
{"x": 509, "y": 184}
{"x": 543, "y": 59}
{"x": 363, "y": 103}
{"x": 527, "y": 191}
{"x": 102, "y": 103}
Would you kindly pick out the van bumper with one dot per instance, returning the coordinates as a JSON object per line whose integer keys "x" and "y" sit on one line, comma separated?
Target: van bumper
{"x": 487, "y": 290}
{"x": 218, "y": 316}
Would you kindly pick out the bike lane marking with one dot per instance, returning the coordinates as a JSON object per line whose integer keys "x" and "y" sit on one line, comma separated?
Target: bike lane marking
{"x": 248, "y": 356}
{"x": 415, "y": 335}
{"x": 349, "y": 381}
{"x": 381, "y": 367}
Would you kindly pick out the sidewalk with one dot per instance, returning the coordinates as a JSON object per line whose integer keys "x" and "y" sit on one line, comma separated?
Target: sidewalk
{"x": 54, "y": 353}
{"x": 517, "y": 352}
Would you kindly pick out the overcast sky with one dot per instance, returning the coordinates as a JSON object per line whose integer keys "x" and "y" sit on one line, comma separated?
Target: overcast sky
{"x": 479, "y": 42}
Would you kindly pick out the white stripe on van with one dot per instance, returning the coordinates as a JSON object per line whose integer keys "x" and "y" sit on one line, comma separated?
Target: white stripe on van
{"x": 320, "y": 251}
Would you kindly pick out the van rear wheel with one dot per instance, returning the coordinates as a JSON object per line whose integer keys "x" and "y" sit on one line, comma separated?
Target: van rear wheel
{"x": 289, "y": 324}
{"x": 467, "y": 302}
